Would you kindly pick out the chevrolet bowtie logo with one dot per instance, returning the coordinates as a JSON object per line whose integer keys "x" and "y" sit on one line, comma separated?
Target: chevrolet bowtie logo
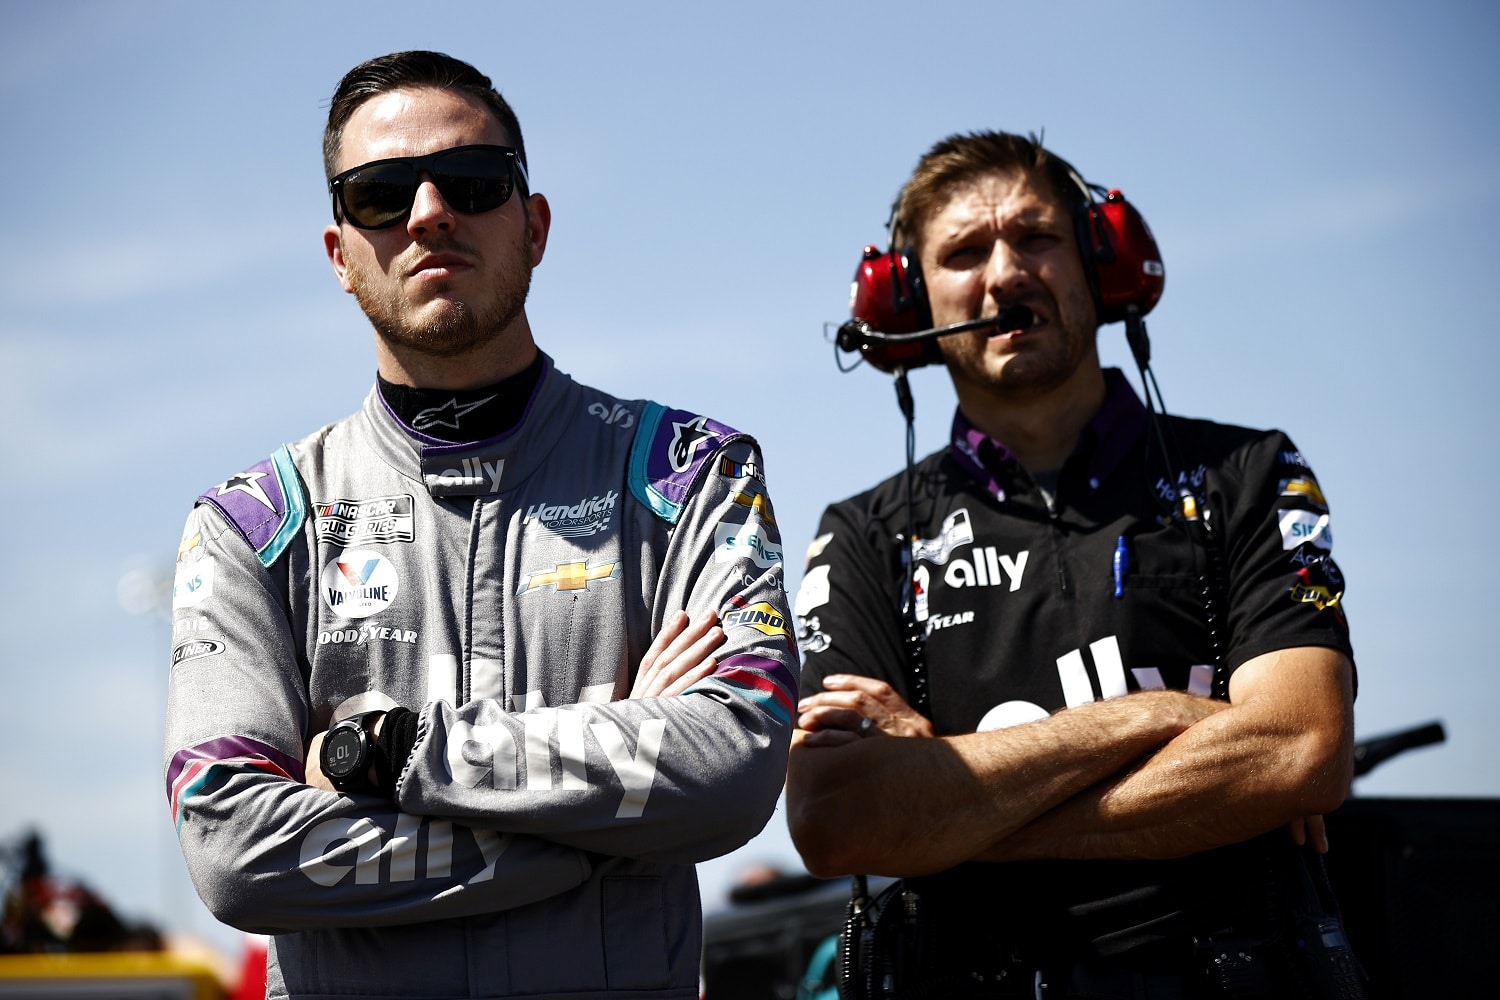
{"x": 569, "y": 576}
{"x": 758, "y": 503}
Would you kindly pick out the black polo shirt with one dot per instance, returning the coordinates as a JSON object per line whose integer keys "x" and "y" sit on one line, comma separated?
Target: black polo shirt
{"x": 1035, "y": 600}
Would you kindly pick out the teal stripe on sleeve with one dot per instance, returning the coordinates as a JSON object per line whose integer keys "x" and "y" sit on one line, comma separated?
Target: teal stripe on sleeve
{"x": 640, "y": 452}
{"x": 296, "y": 513}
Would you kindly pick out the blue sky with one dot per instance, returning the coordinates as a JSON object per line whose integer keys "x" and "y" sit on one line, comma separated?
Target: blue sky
{"x": 1318, "y": 176}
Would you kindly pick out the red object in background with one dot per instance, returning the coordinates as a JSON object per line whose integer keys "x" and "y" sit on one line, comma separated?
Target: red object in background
{"x": 252, "y": 981}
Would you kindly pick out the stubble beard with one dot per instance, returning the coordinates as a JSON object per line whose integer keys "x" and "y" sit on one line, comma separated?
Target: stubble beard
{"x": 1027, "y": 373}
{"x": 458, "y": 328}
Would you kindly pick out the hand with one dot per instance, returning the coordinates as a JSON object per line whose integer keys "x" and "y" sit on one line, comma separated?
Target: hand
{"x": 313, "y": 768}
{"x": 1310, "y": 829}
{"x": 850, "y": 706}
{"x": 679, "y": 656}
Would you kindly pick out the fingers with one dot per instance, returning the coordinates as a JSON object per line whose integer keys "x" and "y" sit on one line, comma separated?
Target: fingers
{"x": 1317, "y": 834}
{"x": 1310, "y": 830}
{"x": 820, "y": 717}
{"x": 866, "y": 698}
{"x": 689, "y": 678}
{"x": 829, "y": 738}
{"x": 673, "y": 627}
{"x": 679, "y": 656}
{"x": 878, "y": 690}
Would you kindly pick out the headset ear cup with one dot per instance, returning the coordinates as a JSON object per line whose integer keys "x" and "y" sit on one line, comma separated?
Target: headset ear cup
{"x": 1126, "y": 268}
{"x": 1086, "y": 229}
{"x": 911, "y": 288}
{"x": 889, "y": 296}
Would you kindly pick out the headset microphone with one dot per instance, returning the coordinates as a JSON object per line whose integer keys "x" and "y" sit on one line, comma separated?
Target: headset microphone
{"x": 886, "y": 351}
{"x": 889, "y": 351}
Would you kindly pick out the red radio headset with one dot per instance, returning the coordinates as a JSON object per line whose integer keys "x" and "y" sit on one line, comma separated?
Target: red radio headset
{"x": 891, "y": 321}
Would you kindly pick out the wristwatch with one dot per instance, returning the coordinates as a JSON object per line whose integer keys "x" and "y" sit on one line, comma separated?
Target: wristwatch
{"x": 347, "y": 752}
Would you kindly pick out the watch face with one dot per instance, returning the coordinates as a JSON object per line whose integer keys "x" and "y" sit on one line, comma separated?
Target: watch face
{"x": 343, "y": 751}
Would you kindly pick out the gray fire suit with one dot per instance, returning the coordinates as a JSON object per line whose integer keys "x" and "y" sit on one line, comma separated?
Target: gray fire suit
{"x": 545, "y": 828}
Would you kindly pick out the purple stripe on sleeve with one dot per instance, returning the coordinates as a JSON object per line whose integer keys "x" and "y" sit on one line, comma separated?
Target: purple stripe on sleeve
{"x": 231, "y": 748}
{"x": 771, "y": 668}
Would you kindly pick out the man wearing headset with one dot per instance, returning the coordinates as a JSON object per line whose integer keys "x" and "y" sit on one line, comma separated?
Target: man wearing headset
{"x": 1073, "y": 814}
{"x": 467, "y": 682}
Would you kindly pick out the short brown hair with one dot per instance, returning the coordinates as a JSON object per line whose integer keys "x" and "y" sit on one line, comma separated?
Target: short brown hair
{"x": 417, "y": 68}
{"x": 965, "y": 156}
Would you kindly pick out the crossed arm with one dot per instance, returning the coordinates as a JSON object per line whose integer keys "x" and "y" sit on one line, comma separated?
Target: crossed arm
{"x": 1153, "y": 774}
{"x": 680, "y": 656}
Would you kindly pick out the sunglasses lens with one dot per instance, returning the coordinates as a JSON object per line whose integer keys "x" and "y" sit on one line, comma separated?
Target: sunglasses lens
{"x": 380, "y": 196}
{"x": 474, "y": 180}
{"x": 470, "y": 179}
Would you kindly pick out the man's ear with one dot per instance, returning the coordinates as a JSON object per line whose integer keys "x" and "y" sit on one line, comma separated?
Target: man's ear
{"x": 538, "y": 225}
{"x": 333, "y": 245}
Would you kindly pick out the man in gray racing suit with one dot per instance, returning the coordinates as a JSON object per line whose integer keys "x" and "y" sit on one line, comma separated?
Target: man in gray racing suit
{"x": 457, "y": 589}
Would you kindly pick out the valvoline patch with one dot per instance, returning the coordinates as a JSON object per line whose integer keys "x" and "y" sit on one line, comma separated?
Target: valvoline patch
{"x": 670, "y": 450}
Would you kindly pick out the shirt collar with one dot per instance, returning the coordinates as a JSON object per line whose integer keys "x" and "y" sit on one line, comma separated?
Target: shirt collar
{"x": 1105, "y": 440}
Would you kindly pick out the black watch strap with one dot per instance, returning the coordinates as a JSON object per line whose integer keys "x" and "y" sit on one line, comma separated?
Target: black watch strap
{"x": 397, "y": 738}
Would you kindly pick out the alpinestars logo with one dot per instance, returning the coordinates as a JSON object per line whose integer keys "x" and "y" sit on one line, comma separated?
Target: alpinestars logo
{"x": 446, "y": 415}
{"x": 686, "y": 439}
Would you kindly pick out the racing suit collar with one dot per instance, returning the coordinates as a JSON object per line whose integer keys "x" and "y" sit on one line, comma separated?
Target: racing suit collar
{"x": 1105, "y": 440}
{"x": 477, "y": 468}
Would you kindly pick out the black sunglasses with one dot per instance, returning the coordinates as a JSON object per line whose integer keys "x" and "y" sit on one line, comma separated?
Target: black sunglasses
{"x": 471, "y": 179}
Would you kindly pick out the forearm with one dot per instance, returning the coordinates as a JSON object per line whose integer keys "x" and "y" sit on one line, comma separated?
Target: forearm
{"x": 895, "y": 806}
{"x": 1260, "y": 764}
{"x": 675, "y": 779}
{"x": 270, "y": 854}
